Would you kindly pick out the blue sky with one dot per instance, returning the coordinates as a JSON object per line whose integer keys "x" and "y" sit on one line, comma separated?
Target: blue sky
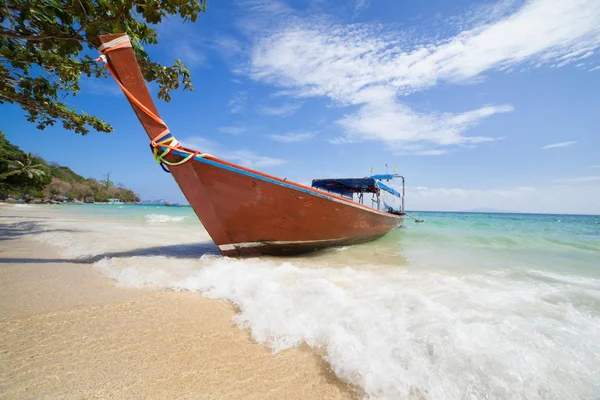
{"x": 479, "y": 104}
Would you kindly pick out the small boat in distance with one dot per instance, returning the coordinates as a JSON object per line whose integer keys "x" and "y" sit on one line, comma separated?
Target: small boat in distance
{"x": 247, "y": 212}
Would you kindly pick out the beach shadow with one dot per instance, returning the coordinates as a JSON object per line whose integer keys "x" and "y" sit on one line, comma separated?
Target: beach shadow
{"x": 20, "y": 229}
{"x": 190, "y": 251}
{"x": 183, "y": 251}
{"x": 9, "y": 217}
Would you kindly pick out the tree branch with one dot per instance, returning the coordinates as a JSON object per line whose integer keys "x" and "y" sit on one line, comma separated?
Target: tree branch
{"x": 14, "y": 35}
{"x": 8, "y": 14}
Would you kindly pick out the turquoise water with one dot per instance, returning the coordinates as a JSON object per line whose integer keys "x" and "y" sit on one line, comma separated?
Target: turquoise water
{"x": 557, "y": 242}
{"x": 462, "y": 306}
{"x": 553, "y": 242}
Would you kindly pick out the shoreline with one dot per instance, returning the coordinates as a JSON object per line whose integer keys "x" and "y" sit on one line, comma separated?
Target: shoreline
{"x": 500, "y": 212}
{"x": 55, "y": 203}
{"x": 68, "y": 331}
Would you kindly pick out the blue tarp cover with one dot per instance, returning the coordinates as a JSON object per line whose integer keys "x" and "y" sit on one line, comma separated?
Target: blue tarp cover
{"x": 384, "y": 176}
{"x": 388, "y": 189}
{"x": 348, "y": 186}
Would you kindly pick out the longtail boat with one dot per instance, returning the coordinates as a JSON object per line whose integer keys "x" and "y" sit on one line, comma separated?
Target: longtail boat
{"x": 247, "y": 212}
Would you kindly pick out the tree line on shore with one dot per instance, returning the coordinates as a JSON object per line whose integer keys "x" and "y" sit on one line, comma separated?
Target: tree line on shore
{"x": 31, "y": 178}
{"x": 58, "y": 37}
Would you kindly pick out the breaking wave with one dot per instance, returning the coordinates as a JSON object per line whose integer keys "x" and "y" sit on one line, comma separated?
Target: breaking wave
{"x": 502, "y": 331}
{"x": 163, "y": 218}
{"x": 398, "y": 333}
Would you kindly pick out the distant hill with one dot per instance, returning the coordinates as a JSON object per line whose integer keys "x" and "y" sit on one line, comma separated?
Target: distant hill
{"x": 162, "y": 202}
{"x": 158, "y": 202}
{"x": 30, "y": 177}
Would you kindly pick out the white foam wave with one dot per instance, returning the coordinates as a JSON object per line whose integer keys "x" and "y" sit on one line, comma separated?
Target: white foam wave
{"x": 397, "y": 333}
{"x": 163, "y": 218}
{"x": 403, "y": 334}
{"x": 343, "y": 248}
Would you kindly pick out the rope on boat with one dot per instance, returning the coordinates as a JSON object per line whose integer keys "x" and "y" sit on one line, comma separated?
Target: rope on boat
{"x": 165, "y": 139}
{"x": 416, "y": 220}
{"x": 163, "y": 166}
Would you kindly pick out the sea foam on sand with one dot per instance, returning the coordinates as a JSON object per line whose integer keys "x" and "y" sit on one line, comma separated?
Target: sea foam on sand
{"x": 395, "y": 331}
{"x": 398, "y": 333}
{"x": 163, "y": 218}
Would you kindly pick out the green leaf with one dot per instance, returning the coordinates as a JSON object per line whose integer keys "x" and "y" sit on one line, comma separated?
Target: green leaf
{"x": 52, "y": 37}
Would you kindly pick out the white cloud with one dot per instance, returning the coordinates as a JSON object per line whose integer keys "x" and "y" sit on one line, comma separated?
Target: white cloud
{"x": 257, "y": 16}
{"x": 484, "y": 13}
{"x": 102, "y": 87}
{"x": 253, "y": 160}
{"x": 558, "y": 145}
{"x": 342, "y": 140}
{"x": 237, "y": 104}
{"x": 360, "y": 6}
{"x": 370, "y": 67}
{"x": 268, "y": 7}
{"x": 201, "y": 144}
{"x": 181, "y": 41}
{"x": 432, "y": 152}
{"x": 187, "y": 53}
{"x": 228, "y": 46}
{"x": 397, "y": 124}
{"x": 242, "y": 156}
{"x": 572, "y": 199}
{"x": 233, "y": 130}
{"x": 283, "y": 110}
{"x": 582, "y": 179}
{"x": 293, "y": 137}
{"x": 470, "y": 193}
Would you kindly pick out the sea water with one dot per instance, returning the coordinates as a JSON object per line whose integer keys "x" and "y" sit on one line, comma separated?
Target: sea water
{"x": 462, "y": 306}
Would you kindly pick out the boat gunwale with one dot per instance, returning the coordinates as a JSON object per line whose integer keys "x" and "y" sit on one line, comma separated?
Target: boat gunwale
{"x": 212, "y": 160}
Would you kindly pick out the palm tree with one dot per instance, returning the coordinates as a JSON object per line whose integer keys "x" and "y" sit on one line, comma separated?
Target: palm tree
{"x": 107, "y": 182}
{"x": 29, "y": 169}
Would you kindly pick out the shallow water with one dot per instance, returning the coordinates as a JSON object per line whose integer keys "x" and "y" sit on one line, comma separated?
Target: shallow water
{"x": 462, "y": 306}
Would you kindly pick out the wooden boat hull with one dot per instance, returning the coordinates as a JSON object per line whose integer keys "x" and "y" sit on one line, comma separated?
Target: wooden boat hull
{"x": 247, "y": 212}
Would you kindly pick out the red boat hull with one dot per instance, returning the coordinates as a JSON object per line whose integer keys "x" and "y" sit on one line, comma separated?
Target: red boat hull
{"x": 249, "y": 213}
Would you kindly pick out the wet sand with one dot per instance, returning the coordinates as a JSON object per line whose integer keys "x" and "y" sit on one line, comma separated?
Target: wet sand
{"x": 66, "y": 331}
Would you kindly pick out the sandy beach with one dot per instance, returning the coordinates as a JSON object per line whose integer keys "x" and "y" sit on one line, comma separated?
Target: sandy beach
{"x": 117, "y": 301}
{"x": 66, "y": 331}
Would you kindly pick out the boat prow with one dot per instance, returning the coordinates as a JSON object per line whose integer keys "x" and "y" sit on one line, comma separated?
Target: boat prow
{"x": 247, "y": 212}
